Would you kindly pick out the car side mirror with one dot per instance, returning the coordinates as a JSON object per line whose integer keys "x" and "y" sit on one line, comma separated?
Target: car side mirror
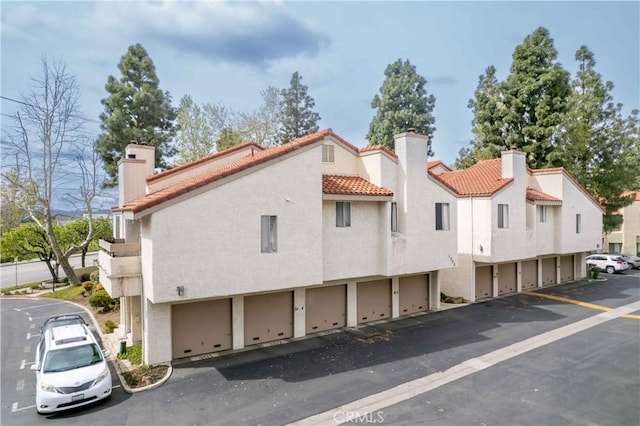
{"x": 35, "y": 367}
{"x": 106, "y": 353}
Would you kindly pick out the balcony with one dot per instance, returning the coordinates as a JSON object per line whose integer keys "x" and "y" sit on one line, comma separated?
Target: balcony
{"x": 120, "y": 268}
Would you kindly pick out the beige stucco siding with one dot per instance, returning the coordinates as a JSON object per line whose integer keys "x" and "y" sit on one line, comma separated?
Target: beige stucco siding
{"x": 214, "y": 237}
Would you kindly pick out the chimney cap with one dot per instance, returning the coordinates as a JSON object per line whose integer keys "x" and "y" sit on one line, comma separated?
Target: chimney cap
{"x": 133, "y": 141}
{"x": 411, "y": 130}
{"x": 144, "y": 143}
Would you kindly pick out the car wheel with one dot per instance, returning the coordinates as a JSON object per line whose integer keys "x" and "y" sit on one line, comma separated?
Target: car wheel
{"x": 610, "y": 270}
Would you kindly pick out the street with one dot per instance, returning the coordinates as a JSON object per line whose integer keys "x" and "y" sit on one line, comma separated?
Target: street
{"x": 566, "y": 354}
{"x": 36, "y": 270}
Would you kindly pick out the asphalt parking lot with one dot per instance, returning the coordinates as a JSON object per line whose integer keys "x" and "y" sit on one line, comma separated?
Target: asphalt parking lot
{"x": 590, "y": 376}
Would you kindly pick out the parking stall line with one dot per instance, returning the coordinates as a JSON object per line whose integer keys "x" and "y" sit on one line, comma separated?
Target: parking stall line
{"x": 14, "y": 407}
{"x": 577, "y": 302}
{"x": 22, "y": 364}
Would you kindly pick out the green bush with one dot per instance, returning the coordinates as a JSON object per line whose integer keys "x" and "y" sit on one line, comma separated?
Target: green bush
{"x": 109, "y": 326}
{"x": 85, "y": 277}
{"x": 134, "y": 354}
{"x": 101, "y": 299}
{"x": 36, "y": 286}
{"x": 95, "y": 276}
{"x": 595, "y": 272}
{"x": 88, "y": 286}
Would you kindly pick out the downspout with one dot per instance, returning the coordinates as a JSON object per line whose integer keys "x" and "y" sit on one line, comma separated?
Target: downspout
{"x": 471, "y": 269}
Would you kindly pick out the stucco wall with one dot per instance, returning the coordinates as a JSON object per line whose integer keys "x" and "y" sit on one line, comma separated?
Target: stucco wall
{"x": 358, "y": 250}
{"x": 575, "y": 202}
{"x": 211, "y": 241}
{"x": 345, "y": 161}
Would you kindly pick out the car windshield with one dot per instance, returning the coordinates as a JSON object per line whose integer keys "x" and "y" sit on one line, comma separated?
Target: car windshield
{"x": 72, "y": 358}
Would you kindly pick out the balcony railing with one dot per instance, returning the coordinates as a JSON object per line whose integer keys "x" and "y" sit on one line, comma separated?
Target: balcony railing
{"x": 120, "y": 268}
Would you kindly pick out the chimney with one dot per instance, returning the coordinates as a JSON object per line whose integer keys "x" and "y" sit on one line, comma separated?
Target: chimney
{"x": 514, "y": 164}
{"x": 137, "y": 164}
{"x": 412, "y": 151}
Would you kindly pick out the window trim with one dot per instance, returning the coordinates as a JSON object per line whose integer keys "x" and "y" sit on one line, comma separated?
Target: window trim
{"x": 503, "y": 216}
{"x": 443, "y": 217}
{"x": 578, "y": 223}
{"x": 542, "y": 213}
{"x": 343, "y": 214}
{"x": 268, "y": 234}
{"x": 394, "y": 217}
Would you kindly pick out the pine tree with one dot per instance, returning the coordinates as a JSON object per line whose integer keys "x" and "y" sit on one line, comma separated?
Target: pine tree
{"x": 136, "y": 109}
{"x": 403, "y": 103}
{"x": 298, "y": 118}
{"x": 535, "y": 97}
{"x": 599, "y": 146}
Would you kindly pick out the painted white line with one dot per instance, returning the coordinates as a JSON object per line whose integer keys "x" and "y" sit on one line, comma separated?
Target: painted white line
{"x": 22, "y": 364}
{"x": 30, "y": 319}
{"x": 27, "y": 349}
{"x": 28, "y": 313}
{"x": 20, "y": 385}
{"x": 405, "y": 391}
{"x": 116, "y": 386}
{"x": 17, "y": 310}
{"x": 14, "y": 407}
{"x": 28, "y": 336}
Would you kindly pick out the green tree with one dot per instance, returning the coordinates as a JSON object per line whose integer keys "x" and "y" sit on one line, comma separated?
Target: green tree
{"x": 136, "y": 109}
{"x": 599, "y": 146}
{"x": 228, "y": 137}
{"x": 195, "y": 137}
{"x": 262, "y": 126}
{"x": 11, "y": 214}
{"x": 298, "y": 118}
{"x": 488, "y": 111}
{"x": 74, "y": 234}
{"x": 535, "y": 95}
{"x": 29, "y": 241}
{"x": 403, "y": 103}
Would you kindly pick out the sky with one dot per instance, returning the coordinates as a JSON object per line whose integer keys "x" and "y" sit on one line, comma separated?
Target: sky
{"x": 227, "y": 52}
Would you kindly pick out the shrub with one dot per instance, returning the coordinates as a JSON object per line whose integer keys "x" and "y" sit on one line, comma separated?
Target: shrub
{"x": 98, "y": 287}
{"x": 85, "y": 277}
{"x": 134, "y": 354}
{"x": 88, "y": 286}
{"x": 101, "y": 299}
{"x": 595, "y": 272}
{"x": 36, "y": 286}
{"x": 109, "y": 326}
{"x": 95, "y": 276}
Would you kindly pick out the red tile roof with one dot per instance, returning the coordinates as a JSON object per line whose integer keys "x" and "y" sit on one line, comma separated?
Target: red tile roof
{"x": 351, "y": 185}
{"x": 535, "y": 195}
{"x": 378, "y": 148}
{"x": 483, "y": 178}
{"x": 204, "y": 160}
{"x": 436, "y": 163}
{"x": 635, "y": 195}
{"x": 155, "y": 198}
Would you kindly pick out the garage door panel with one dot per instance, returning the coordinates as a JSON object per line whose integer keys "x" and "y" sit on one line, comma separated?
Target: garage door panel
{"x": 201, "y": 327}
{"x": 268, "y": 317}
{"x": 529, "y": 274}
{"x": 507, "y": 278}
{"x": 566, "y": 268}
{"x": 414, "y": 294}
{"x": 484, "y": 282}
{"x": 326, "y": 308}
{"x": 549, "y": 271}
{"x": 374, "y": 300}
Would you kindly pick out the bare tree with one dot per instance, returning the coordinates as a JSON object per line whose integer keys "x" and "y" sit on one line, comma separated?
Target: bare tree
{"x": 49, "y": 147}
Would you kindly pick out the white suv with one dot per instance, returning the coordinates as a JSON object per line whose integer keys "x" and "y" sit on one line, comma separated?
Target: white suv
{"x": 71, "y": 369}
{"x": 608, "y": 262}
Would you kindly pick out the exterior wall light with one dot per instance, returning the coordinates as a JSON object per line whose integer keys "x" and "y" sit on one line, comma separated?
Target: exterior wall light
{"x": 180, "y": 289}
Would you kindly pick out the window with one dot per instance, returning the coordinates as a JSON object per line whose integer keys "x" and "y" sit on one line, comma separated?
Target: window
{"x": 615, "y": 248}
{"x": 503, "y": 215}
{"x": 442, "y": 216}
{"x": 394, "y": 217}
{"x": 269, "y": 234}
{"x": 343, "y": 214}
{"x": 543, "y": 213}
{"x": 578, "y": 223}
{"x": 327, "y": 153}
